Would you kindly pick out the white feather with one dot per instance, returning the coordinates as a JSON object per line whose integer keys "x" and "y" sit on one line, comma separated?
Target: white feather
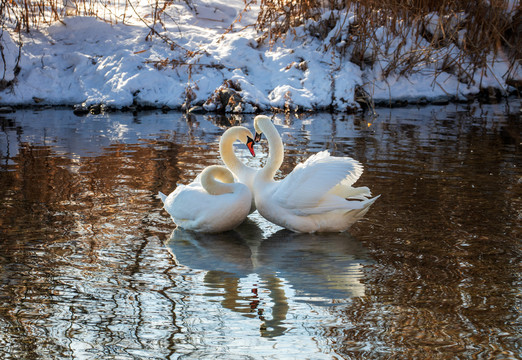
{"x": 197, "y": 207}
{"x": 317, "y": 196}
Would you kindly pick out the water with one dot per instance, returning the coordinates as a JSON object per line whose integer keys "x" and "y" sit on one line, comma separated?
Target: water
{"x": 92, "y": 268}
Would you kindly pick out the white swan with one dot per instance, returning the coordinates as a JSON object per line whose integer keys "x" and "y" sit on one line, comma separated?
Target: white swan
{"x": 212, "y": 203}
{"x": 243, "y": 173}
{"x": 317, "y": 196}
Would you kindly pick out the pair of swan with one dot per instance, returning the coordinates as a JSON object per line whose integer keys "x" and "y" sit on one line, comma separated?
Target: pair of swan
{"x": 317, "y": 196}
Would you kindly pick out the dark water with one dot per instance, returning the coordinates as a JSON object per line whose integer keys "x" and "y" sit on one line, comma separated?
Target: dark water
{"x": 91, "y": 267}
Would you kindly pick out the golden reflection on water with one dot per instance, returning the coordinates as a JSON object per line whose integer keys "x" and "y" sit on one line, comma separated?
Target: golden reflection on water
{"x": 91, "y": 267}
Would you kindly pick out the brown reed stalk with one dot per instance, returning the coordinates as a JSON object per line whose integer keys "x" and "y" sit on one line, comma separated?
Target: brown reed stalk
{"x": 478, "y": 29}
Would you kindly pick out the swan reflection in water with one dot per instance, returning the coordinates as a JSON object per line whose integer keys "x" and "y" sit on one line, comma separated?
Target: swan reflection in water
{"x": 323, "y": 269}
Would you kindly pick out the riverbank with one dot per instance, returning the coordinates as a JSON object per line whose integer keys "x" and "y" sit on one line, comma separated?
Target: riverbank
{"x": 203, "y": 59}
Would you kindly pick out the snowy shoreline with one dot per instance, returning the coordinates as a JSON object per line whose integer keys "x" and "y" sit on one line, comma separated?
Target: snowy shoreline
{"x": 96, "y": 109}
{"x": 91, "y": 65}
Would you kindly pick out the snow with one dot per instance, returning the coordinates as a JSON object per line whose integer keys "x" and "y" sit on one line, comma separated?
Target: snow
{"x": 84, "y": 60}
{"x": 9, "y": 54}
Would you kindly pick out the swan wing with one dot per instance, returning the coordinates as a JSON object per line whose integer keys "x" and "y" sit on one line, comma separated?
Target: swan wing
{"x": 308, "y": 184}
{"x": 332, "y": 202}
{"x": 187, "y": 202}
{"x": 353, "y": 193}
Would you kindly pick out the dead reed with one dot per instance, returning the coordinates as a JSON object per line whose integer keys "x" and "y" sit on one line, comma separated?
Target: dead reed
{"x": 29, "y": 14}
{"x": 456, "y": 36}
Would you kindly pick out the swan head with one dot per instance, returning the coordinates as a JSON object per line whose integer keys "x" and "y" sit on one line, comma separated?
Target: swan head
{"x": 257, "y": 124}
{"x": 239, "y": 133}
{"x": 245, "y": 136}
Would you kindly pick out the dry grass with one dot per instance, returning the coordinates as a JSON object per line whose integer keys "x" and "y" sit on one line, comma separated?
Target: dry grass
{"x": 26, "y": 15}
{"x": 458, "y": 35}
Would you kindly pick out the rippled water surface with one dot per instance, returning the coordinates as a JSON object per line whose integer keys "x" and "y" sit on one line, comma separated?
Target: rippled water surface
{"x": 93, "y": 268}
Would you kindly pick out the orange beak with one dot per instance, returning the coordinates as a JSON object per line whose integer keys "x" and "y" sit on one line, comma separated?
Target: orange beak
{"x": 250, "y": 146}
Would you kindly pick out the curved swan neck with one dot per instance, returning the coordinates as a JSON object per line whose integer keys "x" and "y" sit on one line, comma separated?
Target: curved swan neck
{"x": 275, "y": 145}
{"x": 217, "y": 180}
{"x": 226, "y": 149}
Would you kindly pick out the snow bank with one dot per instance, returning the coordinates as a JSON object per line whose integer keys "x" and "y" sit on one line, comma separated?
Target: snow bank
{"x": 86, "y": 61}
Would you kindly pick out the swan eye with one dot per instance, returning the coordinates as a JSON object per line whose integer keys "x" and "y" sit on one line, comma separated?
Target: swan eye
{"x": 257, "y": 138}
{"x": 250, "y": 145}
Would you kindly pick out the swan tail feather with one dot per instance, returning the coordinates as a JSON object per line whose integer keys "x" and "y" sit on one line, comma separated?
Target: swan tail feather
{"x": 162, "y": 197}
{"x": 366, "y": 206}
{"x": 334, "y": 203}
